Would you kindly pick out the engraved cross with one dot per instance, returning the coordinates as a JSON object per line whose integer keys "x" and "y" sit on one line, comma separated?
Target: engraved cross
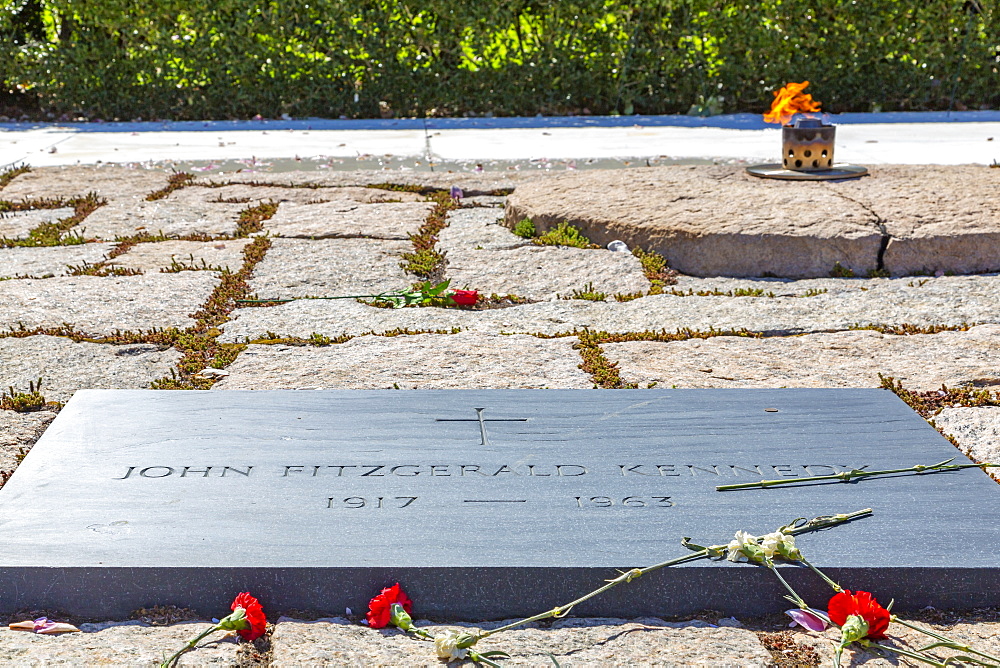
{"x": 482, "y": 423}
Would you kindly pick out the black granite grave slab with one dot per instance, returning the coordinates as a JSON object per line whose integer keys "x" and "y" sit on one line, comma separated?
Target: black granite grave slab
{"x": 482, "y": 503}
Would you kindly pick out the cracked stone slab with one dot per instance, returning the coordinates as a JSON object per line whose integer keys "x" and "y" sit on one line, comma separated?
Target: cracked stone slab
{"x": 708, "y": 220}
{"x": 977, "y": 430}
{"x": 49, "y": 261}
{"x": 109, "y": 181}
{"x": 152, "y": 257}
{"x": 330, "y": 268}
{"x": 66, "y": 367}
{"x": 984, "y": 636}
{"x": 256, "y": 194}
{"x": 127, "y": 217}
{"x": 20, "y": 430}
{"x": 545, "y": 272}
{"x": 949, "y": 300}
{"x": 477, "y": 228}
{"x": 17, "y": 224}
{"x": 346, "y": 219}
{"x": 421, "y": 361}
{"x": 100, "y": 305}
{"x": 940, "y": 218}
{"x": 573, "y": 643}
{"x": 132, "y": 644}
{"x": 471, "y": 183}
{"x": 838, "y": 359}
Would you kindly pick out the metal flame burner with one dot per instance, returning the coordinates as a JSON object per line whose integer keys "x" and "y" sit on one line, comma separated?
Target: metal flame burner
{"x": 807, "y": 155}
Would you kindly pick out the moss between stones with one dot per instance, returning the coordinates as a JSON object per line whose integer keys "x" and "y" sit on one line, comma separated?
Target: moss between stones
{"x": 199, "y": 344}
{"x": 12, "y": 173}
{"x": 906, "y": 329}
{"x": 53, "y": 234}
{"x": 426, "y": 261}
{"x": 252, "y": 218}
{"x": 932, "y": 402}
{"x": 23, "y": 402}
{"x": 321, "y": 340}
{"x": 175, "y": 181}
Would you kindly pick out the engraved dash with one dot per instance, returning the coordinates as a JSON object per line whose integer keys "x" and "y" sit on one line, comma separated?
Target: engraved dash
{"x": 495, "y": 501}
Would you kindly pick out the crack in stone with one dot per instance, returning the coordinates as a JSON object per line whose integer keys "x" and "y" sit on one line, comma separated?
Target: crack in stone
{"x": 879, "y": 223}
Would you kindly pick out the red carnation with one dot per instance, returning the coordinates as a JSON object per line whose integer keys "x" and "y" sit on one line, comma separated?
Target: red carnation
{"x": 860, "y": 604}
{"x": 380, "y": 607}
{"x": 465, "y": 297}
{"x": 254, "y": 616}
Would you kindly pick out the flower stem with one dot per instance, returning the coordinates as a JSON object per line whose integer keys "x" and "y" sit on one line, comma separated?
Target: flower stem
{"x": 944, "y": 641}
{"x": 912, "y": 655}
{"x": 797, "y": 526}
{"x": 173, "y": 660}
{"x": 799, "y": 601}
{"x": 836, "y": 587}
{"x": 847, "y": 476}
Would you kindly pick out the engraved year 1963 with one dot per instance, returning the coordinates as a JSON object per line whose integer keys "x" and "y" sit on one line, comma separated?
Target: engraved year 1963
{"x": 628, "y": 501}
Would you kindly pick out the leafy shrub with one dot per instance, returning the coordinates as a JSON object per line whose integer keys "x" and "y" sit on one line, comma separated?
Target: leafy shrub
{"x": 238, "y": 58}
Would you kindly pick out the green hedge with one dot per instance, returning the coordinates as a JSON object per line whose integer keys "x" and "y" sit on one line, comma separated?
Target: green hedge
{"x": 237, "y": 58}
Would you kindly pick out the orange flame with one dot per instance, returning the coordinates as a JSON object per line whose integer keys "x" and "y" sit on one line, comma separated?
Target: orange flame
{"x": 789, "y": 101}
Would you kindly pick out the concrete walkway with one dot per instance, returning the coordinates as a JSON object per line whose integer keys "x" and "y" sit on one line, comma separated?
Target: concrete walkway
{"x": 99, "y": 314}
{"x": 870, "y": 139}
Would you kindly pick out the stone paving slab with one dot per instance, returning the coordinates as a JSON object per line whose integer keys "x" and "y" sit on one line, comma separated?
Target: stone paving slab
{"x": 49, "y": 261}
{"x": 127, "y": 217}
{"x": 840, "y": 359}
{"x": 422, "y": 361}
{"x": 574, "y": 643}
{"x": 949, "y": 300}
{"x": 152, "y": 257}
{"x": 20, "y": 430}
{"x": 472, "y": 183}
{"x": 66, "y": 367}
{"x": 254, "y": 194}
{"x": 708, "y": 220}
{"x": 477, "y": 228}
{"x": 132, "y": 644}
{"x": 109, "y": 181}
{"x": 17, "y": 224}
{"x": 977, "y": 430}
{"x": 346, "y": 219}
{"x": 545, "y": 272}
{"x": 939, "y": 218}
{"x": 330, "y": 268}
{"x": 100, "y": 305}
{"x": 984, "y": 636}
